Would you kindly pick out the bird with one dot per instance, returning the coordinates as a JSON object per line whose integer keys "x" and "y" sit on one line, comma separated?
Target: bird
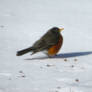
{"x": 50, "y": 43}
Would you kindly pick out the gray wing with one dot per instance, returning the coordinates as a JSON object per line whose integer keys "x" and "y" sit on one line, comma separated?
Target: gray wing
{"x": 45, "y": 42}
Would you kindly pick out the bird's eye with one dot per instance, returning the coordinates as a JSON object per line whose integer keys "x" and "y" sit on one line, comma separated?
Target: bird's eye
{"x": 55, "y": 29}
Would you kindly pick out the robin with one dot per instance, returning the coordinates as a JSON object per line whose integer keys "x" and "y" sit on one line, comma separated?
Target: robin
{"x": 50, "y": 42}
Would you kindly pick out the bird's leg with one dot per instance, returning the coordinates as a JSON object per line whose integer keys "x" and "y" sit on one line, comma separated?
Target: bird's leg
{"x": 52, "y": 56}
{"x": 49, "y": 56}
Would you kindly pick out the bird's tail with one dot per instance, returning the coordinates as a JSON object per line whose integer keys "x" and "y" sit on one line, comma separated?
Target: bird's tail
{"x": 24, "y": 51}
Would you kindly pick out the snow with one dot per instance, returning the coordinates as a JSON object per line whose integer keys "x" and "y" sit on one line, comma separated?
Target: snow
{"x": 22, "y": 22}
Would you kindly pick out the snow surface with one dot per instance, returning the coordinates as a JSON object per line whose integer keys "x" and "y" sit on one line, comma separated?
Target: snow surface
{"x": 22, "y": 22}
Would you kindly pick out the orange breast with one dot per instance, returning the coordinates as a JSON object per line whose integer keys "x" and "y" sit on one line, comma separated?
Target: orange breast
{"x": 54, "y": 49}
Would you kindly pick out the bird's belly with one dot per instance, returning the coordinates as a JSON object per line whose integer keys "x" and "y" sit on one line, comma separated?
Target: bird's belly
{"x": 54, "y": 49}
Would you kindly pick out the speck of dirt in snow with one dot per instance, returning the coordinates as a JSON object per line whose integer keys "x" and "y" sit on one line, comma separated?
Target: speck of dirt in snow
{"x": 58, "y": 87}
{"x": 75, "y": 59}
{"x": 72, "y": 66}
{"x": 77, "y": 80}
{"x": 20, "y": 71}
{"x": 1, "y": 26}
{"x": 49, "y": 65}
{"x": 65, "y": 60}
{"x": 23, "y": 76}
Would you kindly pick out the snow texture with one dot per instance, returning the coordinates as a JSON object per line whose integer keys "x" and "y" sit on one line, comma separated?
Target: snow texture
{"x": 22, "y": 22}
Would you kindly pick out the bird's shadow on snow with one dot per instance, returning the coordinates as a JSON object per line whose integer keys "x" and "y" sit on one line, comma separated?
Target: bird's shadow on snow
{"x": 73, "y": 54}
{"x": 63, "y": 55}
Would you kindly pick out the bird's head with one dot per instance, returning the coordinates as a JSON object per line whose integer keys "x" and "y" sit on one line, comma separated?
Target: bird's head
{"x": 56, "y": 29}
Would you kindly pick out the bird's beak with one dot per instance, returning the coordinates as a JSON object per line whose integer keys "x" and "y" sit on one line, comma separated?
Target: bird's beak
{"x": 60, "y": 29}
